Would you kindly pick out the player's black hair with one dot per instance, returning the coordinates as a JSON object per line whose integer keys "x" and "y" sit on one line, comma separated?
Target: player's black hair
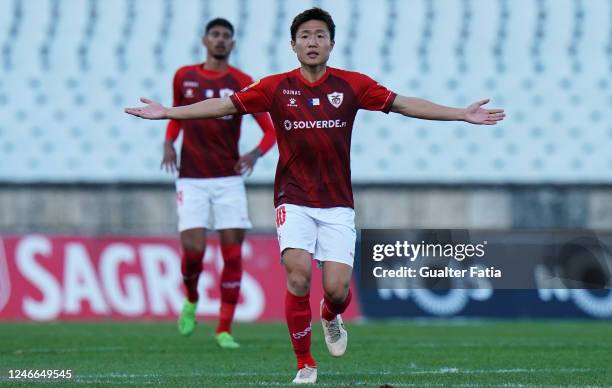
{"x": 219, "y": 22}
{"x": 314, "y": 13}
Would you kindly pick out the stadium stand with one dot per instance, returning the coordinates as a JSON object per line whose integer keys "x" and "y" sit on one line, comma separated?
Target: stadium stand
{"x": 549, "y": 66}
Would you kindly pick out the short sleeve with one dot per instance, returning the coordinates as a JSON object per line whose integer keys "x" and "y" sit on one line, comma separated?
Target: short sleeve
{"x": 254, "y": 98}
{"x": 373, "y": 96}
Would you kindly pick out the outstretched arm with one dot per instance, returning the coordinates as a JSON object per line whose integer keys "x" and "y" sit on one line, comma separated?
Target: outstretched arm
{"x": 207, "y": 109}
{"x": 423, "y": 109}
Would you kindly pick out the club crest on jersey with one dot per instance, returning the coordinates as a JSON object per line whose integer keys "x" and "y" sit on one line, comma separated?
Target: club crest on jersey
{"x": 335, "y": 98}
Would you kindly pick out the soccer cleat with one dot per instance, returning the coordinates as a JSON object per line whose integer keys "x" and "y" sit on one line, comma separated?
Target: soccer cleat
{"x": 187, "y": 319}
{"x": 226, "y": 341}
{"x": 336, "y": 337}
{"x": 306, "y": 375}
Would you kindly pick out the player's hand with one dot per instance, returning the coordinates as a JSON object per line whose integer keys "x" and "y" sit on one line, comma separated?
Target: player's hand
{"x": 245, "y": 164}
{"x": 169, "y": 162}
{"x": 476, "y": 114}
{"x": 152, "y": 111}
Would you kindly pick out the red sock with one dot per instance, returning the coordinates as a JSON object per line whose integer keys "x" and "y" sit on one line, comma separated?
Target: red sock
{"x": 230, "y": 285}
{"x": 191, "y": 267}
{"x": 330, "y": 309}
{"x": 297, "y": 312}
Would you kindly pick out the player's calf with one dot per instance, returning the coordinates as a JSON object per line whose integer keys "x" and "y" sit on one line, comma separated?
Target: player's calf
{"x": 231, "y": 277}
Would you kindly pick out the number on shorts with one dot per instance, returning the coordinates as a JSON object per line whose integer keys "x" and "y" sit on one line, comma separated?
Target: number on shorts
{"x": 280, "y": 216}
{"x": 179, "y": 197}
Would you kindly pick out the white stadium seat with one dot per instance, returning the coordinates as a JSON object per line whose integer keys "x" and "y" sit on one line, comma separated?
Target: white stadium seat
{"x": 65, "y": 80}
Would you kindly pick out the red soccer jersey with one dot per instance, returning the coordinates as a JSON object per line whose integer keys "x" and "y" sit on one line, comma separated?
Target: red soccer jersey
{"x": 210, "y": 146}
{"x": 313, "y": 124}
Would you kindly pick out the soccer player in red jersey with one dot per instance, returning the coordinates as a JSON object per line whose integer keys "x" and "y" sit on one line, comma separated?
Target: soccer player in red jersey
{"x": 313, "y": 109}
{"x": 209, "y": 175}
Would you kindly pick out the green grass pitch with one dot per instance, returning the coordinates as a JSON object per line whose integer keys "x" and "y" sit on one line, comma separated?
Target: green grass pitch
{"x": 428, "y": 353}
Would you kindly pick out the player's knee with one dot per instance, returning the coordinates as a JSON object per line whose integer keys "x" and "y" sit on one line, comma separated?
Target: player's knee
{"x": 231, "y": 237}
{"x": 193, "y": 240}
{"x": 337, "y": 292}
{"x": 193, "y": 245}
{"x": 298, "y": 283}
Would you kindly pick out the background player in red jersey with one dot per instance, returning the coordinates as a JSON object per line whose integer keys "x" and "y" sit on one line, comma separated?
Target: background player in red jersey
{"x": 313, "y": 109}
{"x": 209, "y": 175}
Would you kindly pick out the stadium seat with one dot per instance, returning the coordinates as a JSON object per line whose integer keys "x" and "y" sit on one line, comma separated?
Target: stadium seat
{"x": 70, "y": 67}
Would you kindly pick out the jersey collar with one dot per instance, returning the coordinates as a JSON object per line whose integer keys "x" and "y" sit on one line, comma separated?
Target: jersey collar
{"x": 317, "y": 82}
{"x": 212, "y": 74}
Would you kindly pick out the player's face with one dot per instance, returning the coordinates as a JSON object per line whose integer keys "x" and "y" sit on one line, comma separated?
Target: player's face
{"x": 219, "y": 42}
{"x": 312, "y": 43}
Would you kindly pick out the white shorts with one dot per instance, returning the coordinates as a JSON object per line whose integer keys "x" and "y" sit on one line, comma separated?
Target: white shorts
{"x": 225, "y": 198}
{"x": 328, "y": 233}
